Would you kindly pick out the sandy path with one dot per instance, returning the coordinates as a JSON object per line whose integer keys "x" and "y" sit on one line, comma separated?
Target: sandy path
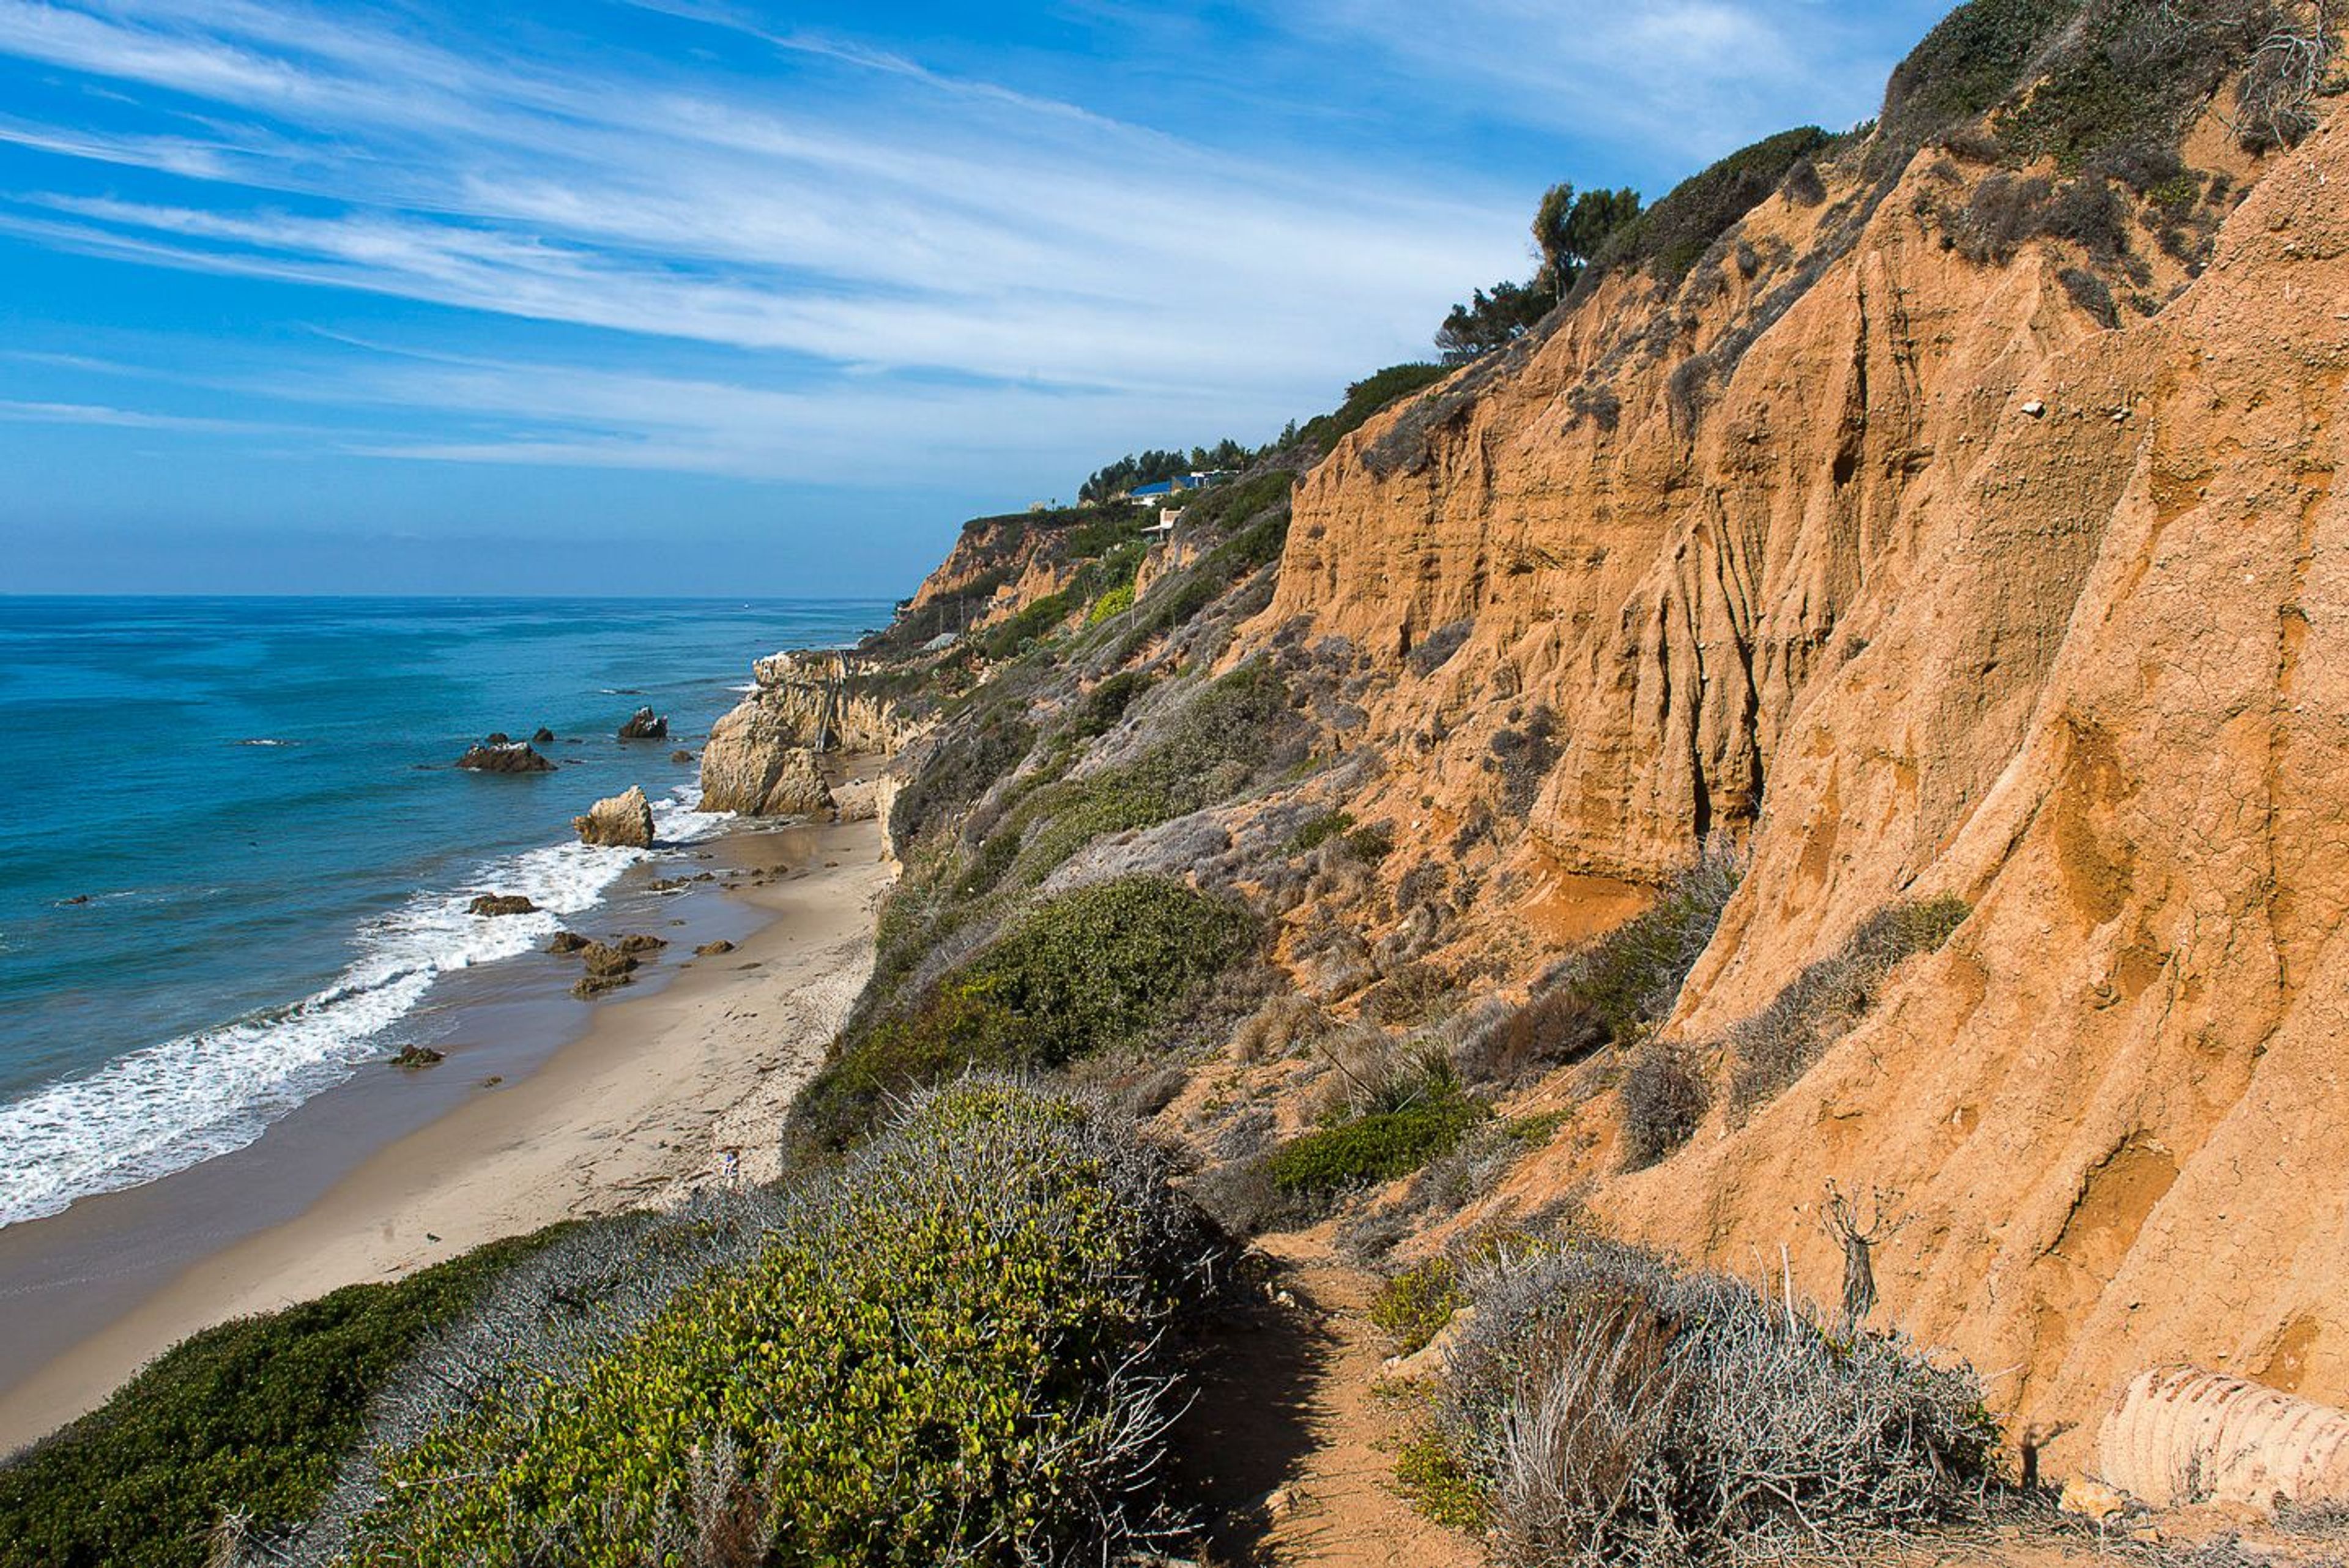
{"x": 636, "y": 1111}
{"x": 1290, "y": 1448}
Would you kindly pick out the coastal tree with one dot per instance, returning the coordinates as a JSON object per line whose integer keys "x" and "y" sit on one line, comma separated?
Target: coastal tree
{"x": 1568, "y": 230}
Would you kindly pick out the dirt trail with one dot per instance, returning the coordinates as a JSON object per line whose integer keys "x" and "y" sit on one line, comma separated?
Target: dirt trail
{"x": 1290, "y": 1445}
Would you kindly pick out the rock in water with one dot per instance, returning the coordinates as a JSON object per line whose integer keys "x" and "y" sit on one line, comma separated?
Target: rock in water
{"x": 496, "y": 756}
{"x": 542, "y": 736}
{"x": 603, "y": 959}
{"x": 626, "y": 820}
{"x": 498, "y": 738}
{"x": 711, "y": 949}
{"x": 501, "y": 904}
{"x": 415, "y": 1056}
{"x": 566, "y": 943}
{"x": 639, "y": 942}
{"x": 680, "y": 755}
{"x": 607, "y": 967}
{"x": 646, "y": 725}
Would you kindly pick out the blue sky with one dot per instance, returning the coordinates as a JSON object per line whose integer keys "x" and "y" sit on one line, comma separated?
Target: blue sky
{"x": 705, "y": 296}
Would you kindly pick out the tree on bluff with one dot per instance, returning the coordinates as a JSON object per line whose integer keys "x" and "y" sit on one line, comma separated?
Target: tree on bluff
{"x": 1567, "y": 230}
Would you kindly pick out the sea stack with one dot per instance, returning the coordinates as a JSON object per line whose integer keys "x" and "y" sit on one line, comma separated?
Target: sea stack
{"x": 625, "y": 820}
{"x": 646, "y": 725}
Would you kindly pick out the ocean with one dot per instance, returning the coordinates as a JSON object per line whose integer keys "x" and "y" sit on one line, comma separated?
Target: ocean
{"x": 237, "y": 853}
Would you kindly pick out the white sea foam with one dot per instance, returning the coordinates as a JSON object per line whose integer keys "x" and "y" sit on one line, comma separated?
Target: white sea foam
{"x": 168, "y": 1106}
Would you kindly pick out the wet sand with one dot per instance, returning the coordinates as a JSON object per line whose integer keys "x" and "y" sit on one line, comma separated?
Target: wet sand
{"x": 645, "y": 1104}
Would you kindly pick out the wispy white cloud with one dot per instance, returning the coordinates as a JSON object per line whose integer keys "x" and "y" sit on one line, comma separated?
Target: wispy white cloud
{"x": 1694, "y": 76}
{"x": 18, "y": 413}
{"x": 888, "y": 255}
{"x": 923, "y": 225}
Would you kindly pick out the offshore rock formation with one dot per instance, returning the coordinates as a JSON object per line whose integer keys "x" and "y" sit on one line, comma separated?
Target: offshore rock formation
{"x": 493, "y": 756}
{"x": 495, "y": 904}
{"x": 1928, "y": 579}
{"x": 625, "y": 820}
{"x": 645, "y": 724}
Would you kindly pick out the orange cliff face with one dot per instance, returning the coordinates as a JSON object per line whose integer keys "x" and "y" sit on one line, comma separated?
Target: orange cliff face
{"x": 1924, "y": 581}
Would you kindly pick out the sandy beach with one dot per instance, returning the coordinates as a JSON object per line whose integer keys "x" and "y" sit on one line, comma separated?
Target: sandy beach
{"x": 660, "y": 1095}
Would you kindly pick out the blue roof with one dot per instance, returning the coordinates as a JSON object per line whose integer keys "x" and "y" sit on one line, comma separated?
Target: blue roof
{"x": 1181, "y": 482}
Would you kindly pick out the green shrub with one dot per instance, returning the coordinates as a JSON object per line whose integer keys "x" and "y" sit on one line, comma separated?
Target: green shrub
{"x": 961, "y": 763}
{"x": 1007, "y": 637}
{"x": 253, "y": 1417}
{"x": 1104, "y": 706}
{"x": 1967, "y": 65}
{"x": 1669, "y": 237}
{"x": 1412, "y": 1306}
{"x": 1624, "y": 983}
{"x": 1094, "y": 967}
{"x": 1367, "y": 396}
{"x": 1114, "y": 603}
{"x": 2133, "y": 78}
{"x": 1435, "y": 1483}
{"x": 1632, "y": 976}
{"x": 1203, "y": 753}
{"x": 1098, "y": 968}
{"x": 942, "y": 1354}
{"x": 1237, "y": 503}
{"x": 1318, "y": 831}
{"x": 1377, "y": 1146}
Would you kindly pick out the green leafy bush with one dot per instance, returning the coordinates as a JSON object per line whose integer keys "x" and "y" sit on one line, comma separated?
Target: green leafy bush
{"x": 2133, "y": 77}
{"x": 1669, "y": 237}
{"x": 1098, "y": 968}
{"x": 251, "y": 1418}
{"x": 1318, "y": 831}
{"x": 957, "y": 765}
{"x": 1256, "y": 511}
{"x": 1967, "y": 65}
{"x": 1607, "y": 993}
{"x": 1104, "y": 706}
{"x": 1438, "y": 1486}
{"x": 1006, "y": 636}
{"x": 1200, "y": 753}
{"x": 1090, "y": 968}
{"x": 1378, "y": 1146}
{"x": 1367, "y": 396}
{"x": 943, "y": 1353}
{"x": 1114, "y": 603}
{"x": 1414, "y": 1304}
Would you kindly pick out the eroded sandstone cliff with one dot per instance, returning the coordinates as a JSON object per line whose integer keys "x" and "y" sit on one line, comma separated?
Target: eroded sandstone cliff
{"x": 1916, "y": 569}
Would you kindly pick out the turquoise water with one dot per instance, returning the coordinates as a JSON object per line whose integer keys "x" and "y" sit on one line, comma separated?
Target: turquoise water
{"x": 235, "y": 856}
